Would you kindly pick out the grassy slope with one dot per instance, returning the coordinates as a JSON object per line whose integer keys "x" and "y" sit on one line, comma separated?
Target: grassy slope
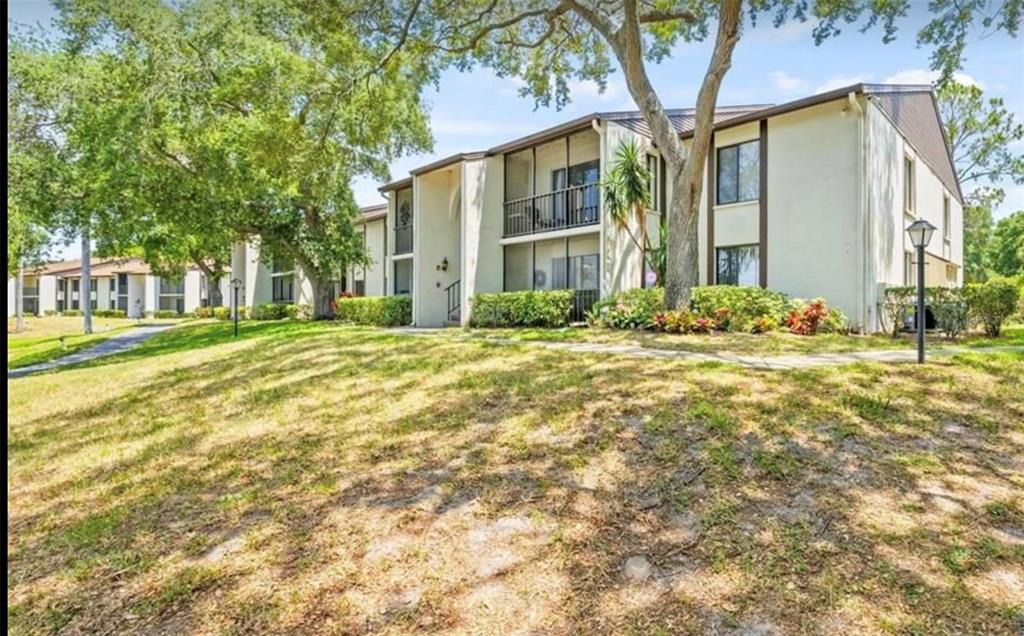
{"x": 40, "y": 341}
{"x": 775, "y": 343}
{"x": 317, "y": 478}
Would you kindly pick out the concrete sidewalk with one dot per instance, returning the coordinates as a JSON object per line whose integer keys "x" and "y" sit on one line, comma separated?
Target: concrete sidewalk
{"x": 775, "y": 363}
{"x": 118, "y": 343}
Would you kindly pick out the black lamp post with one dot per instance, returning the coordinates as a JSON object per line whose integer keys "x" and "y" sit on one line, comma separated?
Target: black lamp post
{"x": 920, "y": 232}
{"x": 236, "y": 284}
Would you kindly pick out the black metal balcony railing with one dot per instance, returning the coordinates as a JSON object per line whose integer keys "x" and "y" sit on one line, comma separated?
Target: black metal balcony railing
{"x": 403, "y": 239}
{"x": 582, "y": 302}
{"x": 558, "y": 210}
{"x": 30, "y": 291}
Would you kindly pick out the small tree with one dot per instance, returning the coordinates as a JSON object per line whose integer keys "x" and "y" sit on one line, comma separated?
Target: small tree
{"x": 1006, "y": 250}
{"x": 992, "y": 302}
{"x": 627, "y": 195}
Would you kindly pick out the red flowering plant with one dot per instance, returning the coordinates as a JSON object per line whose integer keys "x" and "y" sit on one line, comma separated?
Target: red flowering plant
{"x": 805, "y": 321}
{"x": 722, "y": 319}
{"x": 703, "y": 325}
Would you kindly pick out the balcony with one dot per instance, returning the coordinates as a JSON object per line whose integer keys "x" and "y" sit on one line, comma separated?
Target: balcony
{"x": 403, "y": 239}
{"x": 576, "y": 206}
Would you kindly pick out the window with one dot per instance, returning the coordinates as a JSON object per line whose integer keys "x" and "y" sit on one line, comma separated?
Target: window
{"x": 583, "y": 272}
{"x": 75, "y": 285}
{"x": 951, "y": 275}
{"x": 93, "y": 284}
{"x": 908, "y": 269}
{"x": 283, "y": 288}
{"x": 359, "y": 288}
{"x": 738, "y": 172}
{"x": 945, "y": 218}
{"x": 737, "y": 265}
{"x": 172, "y": 286}
{"x": 122, "y": 292}
{"x": 172, "y": 295}
{"x": 653, "y": 169}
{"x": 282, "y": 265}
{"x": 113, "y": 285}
{"x": 909, "y": 186}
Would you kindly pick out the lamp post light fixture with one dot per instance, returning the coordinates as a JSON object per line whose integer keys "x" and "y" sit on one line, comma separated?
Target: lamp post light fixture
{"x": 920, "y": 232}
{"x": 236, "y": 284}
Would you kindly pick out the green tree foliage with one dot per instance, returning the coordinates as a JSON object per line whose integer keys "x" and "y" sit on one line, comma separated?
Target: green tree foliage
{"x": 222, "y": 120}
{"x": 978, "y": 232}
{"x": 1006, "y": 250}
{"x": 627, "y": 195}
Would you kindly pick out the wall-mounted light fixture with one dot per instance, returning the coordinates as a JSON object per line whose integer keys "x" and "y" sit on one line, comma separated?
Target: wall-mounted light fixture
{"x": 444, "y": 264}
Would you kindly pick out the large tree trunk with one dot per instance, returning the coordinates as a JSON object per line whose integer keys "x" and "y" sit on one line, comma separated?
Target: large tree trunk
{"x": 682, "y": 273}
{"x": 212, "y": 276}
{"x": 19, "y": 300}
{"x": 323, "y": 288}
{"x": 687, "y": 184}
{"x": 85, "y": 289}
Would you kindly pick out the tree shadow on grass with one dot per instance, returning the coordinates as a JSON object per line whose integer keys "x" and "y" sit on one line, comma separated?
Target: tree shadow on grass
{"x": 368, "y": 484}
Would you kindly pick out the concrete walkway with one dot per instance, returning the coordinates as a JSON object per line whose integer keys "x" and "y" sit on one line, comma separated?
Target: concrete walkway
{"x": 118, "y": 343}
{"x": 776, "y": 363}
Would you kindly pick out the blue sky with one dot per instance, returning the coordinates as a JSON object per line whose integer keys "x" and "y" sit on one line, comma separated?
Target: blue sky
{"x": 477, "y": 110}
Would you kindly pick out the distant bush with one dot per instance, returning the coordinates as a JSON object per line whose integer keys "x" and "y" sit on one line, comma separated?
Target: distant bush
{"x": 269, "y": 311}
{"x": 522, "y": 309}
{"x": 222, "y": 313}
{"x": 950, "y": 308}
{"x": 380, "y": 311}
{"x": 166, "y": 313}
{"x": 51, "y": 312}
{"x": 110, "y": 313}
{"x": 299, "y": 312}
{"x": 204, "y": 312}
{"x": 745, "y": 304}
{"x": 991, "y": 303}
{"x": 630, "y": 309}
{"x": 72, "y": 312}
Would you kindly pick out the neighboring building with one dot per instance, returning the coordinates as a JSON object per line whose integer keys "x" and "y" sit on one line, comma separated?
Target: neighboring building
{"x": 126, "y": 284}
{"x": 810, "y": 198}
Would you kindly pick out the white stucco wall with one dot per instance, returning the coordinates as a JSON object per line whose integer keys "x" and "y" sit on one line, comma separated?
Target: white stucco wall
{"x": 137, "y": 295}
{"x": 47, "y": 294}
{"x": 12, "y": 298}
{"x": 193, "y": 287}
{"x": 437, "y": 220}
{"x": 373, "y": 275}
{"x": 482, "y": 226}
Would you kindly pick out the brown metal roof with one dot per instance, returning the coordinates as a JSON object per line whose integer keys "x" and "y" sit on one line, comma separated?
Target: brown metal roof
{"x": 372, "y": 212}
{"x": 396, "y": 185}
{"x": 683, "y": 119}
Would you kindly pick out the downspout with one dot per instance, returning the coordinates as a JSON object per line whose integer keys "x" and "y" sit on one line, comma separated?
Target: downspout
{"x": 864, "y": 206}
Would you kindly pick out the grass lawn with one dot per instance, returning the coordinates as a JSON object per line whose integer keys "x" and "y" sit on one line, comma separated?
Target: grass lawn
{"x": 774, "y": 343}
{"x": 314, "y": 478}
{"x": 41, "y": 339}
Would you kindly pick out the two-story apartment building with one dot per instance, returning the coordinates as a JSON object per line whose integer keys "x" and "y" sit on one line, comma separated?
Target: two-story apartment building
{"x": 810, "y": 198}
{"x": 126, "y": 284}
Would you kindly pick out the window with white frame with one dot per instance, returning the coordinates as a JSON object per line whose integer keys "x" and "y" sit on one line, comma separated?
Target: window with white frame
{"x": 282, "y": 280}
{"x": 946, "y": 214}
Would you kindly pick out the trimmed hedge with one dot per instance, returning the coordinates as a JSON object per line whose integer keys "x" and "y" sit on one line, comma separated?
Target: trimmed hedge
{"x": 110, "y": 313}
{"x": 379, "y": 311}
{"x": 522, "y": 309}
{"x": 166, "y": 313}
{"x": 203, "y": 312}
{"x": 72, "y": 312}
{"x": 299, "y": 312}
{"x": 631, "y": 309}
{"x": 746, "y": 305}
{"x": 269, "y": 311}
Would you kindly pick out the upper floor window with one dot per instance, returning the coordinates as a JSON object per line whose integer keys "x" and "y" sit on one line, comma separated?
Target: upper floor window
{"x": 403, "y": 208}
{"x": 909, "y": 185}
{"x": 945, "y": 218}
{"x": 738, "y": 176}
{"x": 654, "y": 183}
{"x": 172, "y": 286}
{"x": 282, "y": 265}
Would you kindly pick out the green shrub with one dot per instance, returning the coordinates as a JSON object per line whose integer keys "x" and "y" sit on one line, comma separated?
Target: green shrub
{"x": 522, "y": 309}
{"x": 110, "y": 313}
{"x": 166, "y": 313}
{"x": 631, "y": 309}
{"x": 51, "y": 312}
{"x": 745, "y": 304}
{"x": 204, "y": 312}
{"x": 380, "y": 311}
{"x": 270, "y": 311}
{"x": 299, "y": 312}
{"x": 222, "y": 313}
{"x": 764, "y": 324}
{"x": 834, "y": 322}
{"x": 991, "y": 303}
{"x": 897, "y": 304}
{"x": 72, "y": 312}
{"x": 950, "y": 309}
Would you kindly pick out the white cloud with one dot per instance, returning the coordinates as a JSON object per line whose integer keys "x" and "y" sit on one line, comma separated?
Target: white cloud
{"x": 588, "y": 89}
{"x": 791, "y": 30}
{"x": 785, "y": 82}
{"x": 925, "y": 76}
{"x": 841, "y": 81}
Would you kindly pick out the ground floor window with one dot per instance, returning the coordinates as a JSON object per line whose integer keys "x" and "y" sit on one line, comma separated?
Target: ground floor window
{"x": 403, "y": 276}
{"x": 568, "y": 263}
{"x": 908, "y": 269}
{"x": 30, "y": 305}
{"x": 737, "y": 265}
{"x": 283, "y": 288}
{"x": 359, "y": 287}
{"x": 172, "y": 295}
